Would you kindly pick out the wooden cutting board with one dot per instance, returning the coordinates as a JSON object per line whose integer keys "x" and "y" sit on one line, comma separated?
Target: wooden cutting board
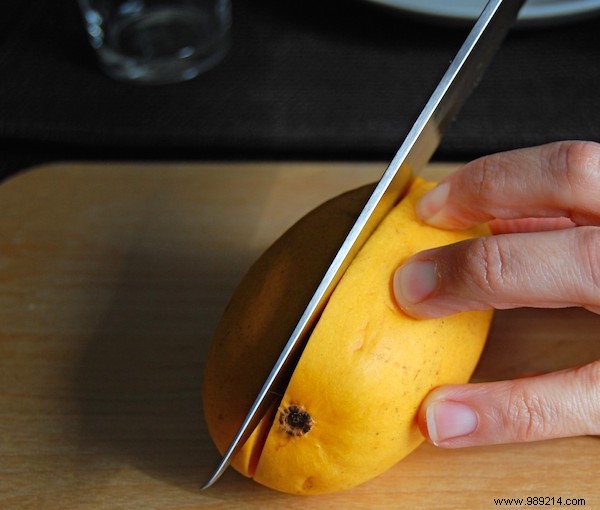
{"x": 112, "y": 279}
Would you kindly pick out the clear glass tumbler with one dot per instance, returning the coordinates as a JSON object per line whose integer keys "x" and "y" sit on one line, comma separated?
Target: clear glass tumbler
{"x": 157, "y": 41}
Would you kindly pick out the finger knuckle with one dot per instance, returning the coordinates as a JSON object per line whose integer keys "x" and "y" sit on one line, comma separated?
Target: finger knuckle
{"x": 489, "y": 176}
{"x": 592, "y": 381}
{"x": 580, "y": 161}
{"x": 587, "y": 258}
{"x": 591, "y": 377}
{"x": 527, "y": 416}
{"x": 588, "y": 377}
{"x": 489, "y": 255}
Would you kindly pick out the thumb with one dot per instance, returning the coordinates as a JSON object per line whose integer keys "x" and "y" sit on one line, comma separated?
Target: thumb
{"x": 559, "y": 404}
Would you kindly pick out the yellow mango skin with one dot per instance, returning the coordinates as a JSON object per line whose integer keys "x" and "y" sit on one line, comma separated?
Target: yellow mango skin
{"x": 366, "y": 368}
{"x": 262, "y": 314}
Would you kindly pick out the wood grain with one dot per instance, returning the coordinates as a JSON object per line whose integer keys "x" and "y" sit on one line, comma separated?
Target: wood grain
{"x": 112, "y": 279}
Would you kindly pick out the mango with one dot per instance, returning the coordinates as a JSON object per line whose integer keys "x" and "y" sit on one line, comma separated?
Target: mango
{"x": 349, "y": 410}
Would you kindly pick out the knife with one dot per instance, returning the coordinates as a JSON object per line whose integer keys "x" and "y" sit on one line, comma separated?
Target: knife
{"x": 463, "y": 75}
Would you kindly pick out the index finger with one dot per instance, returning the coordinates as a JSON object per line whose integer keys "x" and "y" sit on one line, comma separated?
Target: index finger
{"x": 557, "y": 180}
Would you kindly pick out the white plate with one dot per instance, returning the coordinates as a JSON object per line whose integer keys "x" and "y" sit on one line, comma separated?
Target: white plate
{"x": 534, "y": 12}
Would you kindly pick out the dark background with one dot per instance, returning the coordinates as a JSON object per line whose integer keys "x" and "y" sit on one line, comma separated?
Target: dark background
{"x": 310, "y": 80}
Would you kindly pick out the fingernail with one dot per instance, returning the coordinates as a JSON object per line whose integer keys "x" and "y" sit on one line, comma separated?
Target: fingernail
{"x": 415, "y": 281}
{"x": 448, "y": 420}
{"x": 430, "y": 204}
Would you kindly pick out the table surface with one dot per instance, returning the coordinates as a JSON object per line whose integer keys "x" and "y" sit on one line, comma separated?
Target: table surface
{"x": 112, "y": 280}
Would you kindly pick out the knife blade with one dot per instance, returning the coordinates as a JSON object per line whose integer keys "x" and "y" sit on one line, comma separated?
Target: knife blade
{"x": 461, "y": 77}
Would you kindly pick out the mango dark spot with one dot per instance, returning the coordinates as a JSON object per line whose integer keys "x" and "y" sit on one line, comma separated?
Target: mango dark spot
{"x": 295, "y": 421}
{"x": 308, "y": 483}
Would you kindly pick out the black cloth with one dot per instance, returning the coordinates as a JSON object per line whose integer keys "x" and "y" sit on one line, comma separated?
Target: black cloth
{"x": 317, "y": 79}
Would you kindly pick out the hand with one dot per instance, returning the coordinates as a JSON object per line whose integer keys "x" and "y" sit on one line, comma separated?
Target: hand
{"x": 543, "y": 205}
